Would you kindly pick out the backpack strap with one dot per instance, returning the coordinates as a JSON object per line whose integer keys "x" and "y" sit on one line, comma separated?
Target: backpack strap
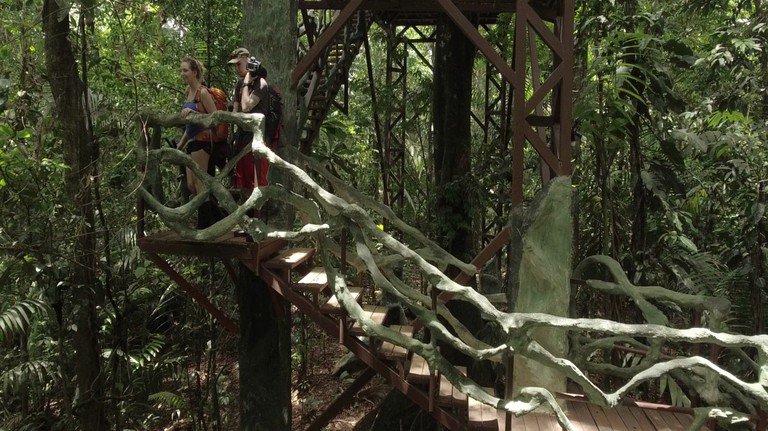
{"x": 199, "y": 101}
{"x": 207, "y": 134}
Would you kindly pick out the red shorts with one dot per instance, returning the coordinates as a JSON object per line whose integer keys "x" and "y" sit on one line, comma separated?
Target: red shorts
{"x": 249, "y": 168}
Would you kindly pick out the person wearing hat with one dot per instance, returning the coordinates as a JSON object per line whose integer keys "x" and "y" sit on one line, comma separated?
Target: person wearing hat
{"x": 251, "y": 96}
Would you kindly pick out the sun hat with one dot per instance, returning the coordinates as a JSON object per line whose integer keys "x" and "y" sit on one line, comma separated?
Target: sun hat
{"x": 238, "y": 54}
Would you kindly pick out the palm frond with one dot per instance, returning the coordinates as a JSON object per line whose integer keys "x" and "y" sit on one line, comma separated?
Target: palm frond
{"x": 168, "y": 399}
{"x": 17, "y": 319}
{"x": 30, "y": 374}
{"x": 149, "y": 351}
{"x": 701, "y": 273}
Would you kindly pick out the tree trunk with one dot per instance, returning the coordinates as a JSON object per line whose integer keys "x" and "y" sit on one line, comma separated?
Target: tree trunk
{"x": 265, "y": 356}
{"x": 452, "y": 105}
{"x": 68, "y": 93}
{"x": 637, "y": 159}
{"x": 270, "y": 33}
{"x": 274, "y": 44}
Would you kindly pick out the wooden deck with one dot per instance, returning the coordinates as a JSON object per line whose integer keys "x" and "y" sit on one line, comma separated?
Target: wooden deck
{"x": 584, "y": 416}
{"x": 590, "y": 417}
{"x": 230, "y": 245}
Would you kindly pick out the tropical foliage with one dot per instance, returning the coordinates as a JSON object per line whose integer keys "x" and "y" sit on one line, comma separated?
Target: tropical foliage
{"x": 671, "y": 177}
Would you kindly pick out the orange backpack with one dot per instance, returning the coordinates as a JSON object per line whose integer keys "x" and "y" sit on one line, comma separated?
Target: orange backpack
{"x": 221, "y": 131}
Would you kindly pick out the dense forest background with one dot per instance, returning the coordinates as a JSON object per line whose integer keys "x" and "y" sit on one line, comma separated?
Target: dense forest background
{"x": 671, "y": 179}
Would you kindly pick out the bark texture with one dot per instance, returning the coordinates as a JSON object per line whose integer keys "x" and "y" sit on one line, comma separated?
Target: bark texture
{"x": 454, "y": 59}
{"x": 265, "y": 356}
{"x": 79, "y": 153}
{"x": 270, "y": 33}
{"x": 452, "y": 107}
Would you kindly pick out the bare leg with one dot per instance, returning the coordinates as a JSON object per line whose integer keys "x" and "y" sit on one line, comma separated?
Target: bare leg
{"x": 194, "y": 184}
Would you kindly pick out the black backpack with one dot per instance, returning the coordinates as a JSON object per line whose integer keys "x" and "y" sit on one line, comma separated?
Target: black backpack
{"x": 274, "y": 113}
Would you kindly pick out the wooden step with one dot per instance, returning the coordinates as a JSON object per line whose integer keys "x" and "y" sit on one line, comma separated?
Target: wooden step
{"x": 449, "y": 395}
{"x": 377, "y": 313}
{"x": 332, "y": 306}
{"x": 394, "y": 352}
{"x": 290, "y": 259}
{"x": 481, "y": 416}
{"x": 316, "y": 280}
{"x": 419, "y": 370}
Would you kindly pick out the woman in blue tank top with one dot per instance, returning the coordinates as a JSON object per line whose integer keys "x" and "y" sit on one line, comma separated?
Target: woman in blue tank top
{"x": 196, "y": 99}
{"x": 191, "y": 129}
{"x": 195, "y": 95}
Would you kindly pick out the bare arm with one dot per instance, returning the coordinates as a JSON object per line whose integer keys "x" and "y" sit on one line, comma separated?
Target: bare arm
{"x": 250, "y": 97}
{"x": 207, "y": 100}
{"x": 250, "y": 100}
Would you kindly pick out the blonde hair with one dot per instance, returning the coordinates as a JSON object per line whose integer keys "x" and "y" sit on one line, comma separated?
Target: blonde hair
{"x": 195, "y": 65}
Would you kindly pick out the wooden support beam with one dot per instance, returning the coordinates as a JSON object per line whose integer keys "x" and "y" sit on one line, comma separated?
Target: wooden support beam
{"x": 228, "y": 323}
{"x": 485, "y": 255}
{"x": 518, "y": 96}
{"x": 493, "y": 247}
{"x": 552, "y": 81}
{"x": 544, "y": 152}
{"x": 414, "y": 5}
{"x": 544, "y": 8}
{"x": 231, "y": 271}
{"x": 323, "y": 41}
{"x": 565, "y": 104}
{"x": 479, "y": 41}
{"x": 342, "y": 401}
{"x": 537, "y": 24}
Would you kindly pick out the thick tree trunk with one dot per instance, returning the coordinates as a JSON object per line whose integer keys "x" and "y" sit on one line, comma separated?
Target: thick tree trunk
{"x": 454, "y": 184}
{"x": 68, "y": 92}
{"x": 452, "y": 104}
{"x": 265, "y": 356}
{"x": 269, "y": 32}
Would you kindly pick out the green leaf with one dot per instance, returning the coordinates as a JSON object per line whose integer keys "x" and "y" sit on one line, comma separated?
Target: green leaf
{"x": 139, "y": 271}
{"x": 17, "y": 319}
{"x": 757, "y": 214}
{"x": 688, "y": 244}
{"x": 169, "y": 399}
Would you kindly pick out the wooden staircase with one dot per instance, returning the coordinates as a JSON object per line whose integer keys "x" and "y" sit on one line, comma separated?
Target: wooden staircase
{"x": 323, "y": 82}
{"x": 294, "y": 276}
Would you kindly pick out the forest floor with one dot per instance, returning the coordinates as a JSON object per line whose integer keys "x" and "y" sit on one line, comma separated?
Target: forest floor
{"x": 310, "y": 394}
{"x": 323, "y": 383}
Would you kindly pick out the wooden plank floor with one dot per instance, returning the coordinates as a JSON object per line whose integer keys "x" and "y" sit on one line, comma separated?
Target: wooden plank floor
{"x": 228, "y": 245}
{"x": 590, "y": 417}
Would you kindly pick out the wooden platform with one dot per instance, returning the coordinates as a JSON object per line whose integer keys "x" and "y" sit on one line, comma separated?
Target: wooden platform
{"x": 424, "y": 12}
{"x": 590, "y": 417}
{"x": 229, "y": 245}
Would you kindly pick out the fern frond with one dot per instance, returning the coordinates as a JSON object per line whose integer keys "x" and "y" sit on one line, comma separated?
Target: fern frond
{"x": 149, "y": 352}
{"x": 703, "y": 273}
{"x": 29, "y": 374}
{"x": 17, "y": 319}
{"x": 169, "y": 399}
